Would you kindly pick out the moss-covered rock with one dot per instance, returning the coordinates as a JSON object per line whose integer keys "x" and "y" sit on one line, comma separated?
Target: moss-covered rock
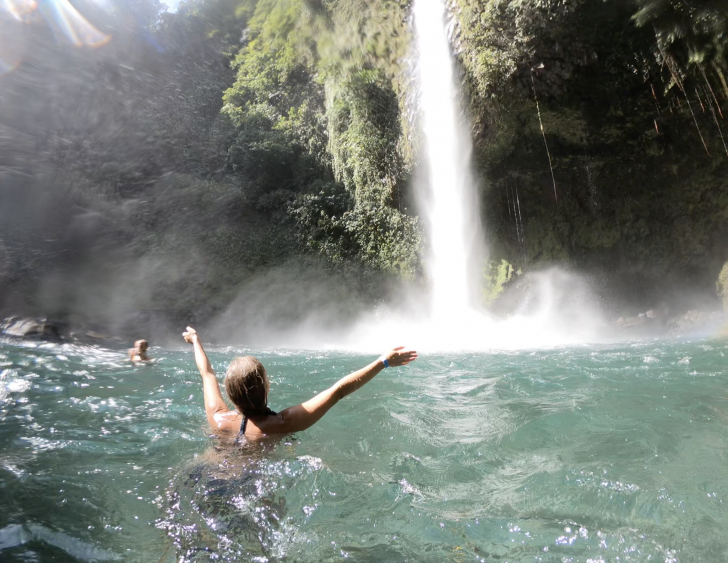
{"x": 722, "y": 287}
{"x": 599, "y": 133}
{"x": 496, "y": 276}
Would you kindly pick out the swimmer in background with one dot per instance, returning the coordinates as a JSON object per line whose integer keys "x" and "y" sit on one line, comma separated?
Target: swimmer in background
{"x": 139, "y": 352}
{"x": 247, "y": 385}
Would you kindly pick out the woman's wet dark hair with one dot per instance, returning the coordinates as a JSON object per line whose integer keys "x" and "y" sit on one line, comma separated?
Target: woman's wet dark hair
{"x": 246, "y": 383}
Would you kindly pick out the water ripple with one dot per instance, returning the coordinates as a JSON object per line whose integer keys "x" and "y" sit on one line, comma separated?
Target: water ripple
{"x": 571, "y": 454}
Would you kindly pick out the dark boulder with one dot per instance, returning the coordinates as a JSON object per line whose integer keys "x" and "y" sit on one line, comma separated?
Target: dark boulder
{"x": 27, "y": 328}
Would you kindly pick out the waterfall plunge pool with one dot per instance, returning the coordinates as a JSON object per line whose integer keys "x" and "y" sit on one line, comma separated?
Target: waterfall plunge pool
{"x": 590, "y": 453}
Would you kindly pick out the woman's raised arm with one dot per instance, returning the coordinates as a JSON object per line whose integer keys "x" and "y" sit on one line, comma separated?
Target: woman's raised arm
{"x": 307, "y": 414}
{"x": 214, "y": 403}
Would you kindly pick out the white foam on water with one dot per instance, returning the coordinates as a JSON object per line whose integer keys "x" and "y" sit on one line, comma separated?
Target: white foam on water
{"x": 558, "y": 309}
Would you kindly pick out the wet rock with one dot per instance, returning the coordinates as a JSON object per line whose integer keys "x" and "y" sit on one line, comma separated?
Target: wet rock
{"x": 654, "y": 317}
{"x": 696, "y": 322}
{"x": 722, "y": 287}
{"x": 91, "y": 337}
{"x": 653, "y": 322}
{"x": 28, "y": 328}
{"x": 96, "y": 335}
{"x": 657, "y": 322}
{"x": 632, "y": 322}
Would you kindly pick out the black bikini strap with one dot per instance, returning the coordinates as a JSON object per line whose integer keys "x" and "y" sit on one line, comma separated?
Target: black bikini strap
{"x": 268, "y": 412}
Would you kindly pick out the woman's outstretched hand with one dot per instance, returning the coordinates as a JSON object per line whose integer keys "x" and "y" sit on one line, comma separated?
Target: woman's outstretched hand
{"x": 190, "y": 335}
{"x": 400, "y": 357}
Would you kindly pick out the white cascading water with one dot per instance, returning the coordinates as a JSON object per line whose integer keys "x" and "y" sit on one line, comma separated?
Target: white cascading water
{"x": 560, "y": 309}
{"x": 450, "y": 211}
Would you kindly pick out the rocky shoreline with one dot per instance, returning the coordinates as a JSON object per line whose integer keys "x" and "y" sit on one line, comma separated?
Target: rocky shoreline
{"x": 650, "y": 324}
{"x": 42, "y": 329}
{"x": 656, "y": 323}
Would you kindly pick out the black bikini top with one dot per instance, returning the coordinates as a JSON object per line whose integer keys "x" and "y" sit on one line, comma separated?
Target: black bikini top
{"x": 268, "y": 412}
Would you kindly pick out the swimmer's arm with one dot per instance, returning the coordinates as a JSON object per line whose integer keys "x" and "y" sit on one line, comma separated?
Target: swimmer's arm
{"x": 214, "y": 403}
{"x": 305, "y": 415}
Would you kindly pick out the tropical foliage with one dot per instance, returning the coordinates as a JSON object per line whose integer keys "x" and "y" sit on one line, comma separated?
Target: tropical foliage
{"x": 198, "y": 149}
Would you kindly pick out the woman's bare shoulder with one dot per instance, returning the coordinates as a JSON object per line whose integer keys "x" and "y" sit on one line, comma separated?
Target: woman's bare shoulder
{"x": 228, "y": 422}
{"x": 271, "y": 425}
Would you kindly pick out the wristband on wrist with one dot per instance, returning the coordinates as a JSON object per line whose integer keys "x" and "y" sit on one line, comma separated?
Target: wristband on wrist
{"x": 385, "y": 361}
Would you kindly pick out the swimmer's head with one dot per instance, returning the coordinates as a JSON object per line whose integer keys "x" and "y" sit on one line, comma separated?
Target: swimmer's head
{"x": 247, "y": 385}
{"x": 141, "y": 345}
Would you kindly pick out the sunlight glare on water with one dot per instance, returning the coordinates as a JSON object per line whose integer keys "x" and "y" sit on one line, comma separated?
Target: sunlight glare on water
{"x": 589, "y": 453}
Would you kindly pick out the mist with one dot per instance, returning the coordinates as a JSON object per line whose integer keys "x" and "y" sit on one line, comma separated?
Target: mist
{"x": 147, "y": 184}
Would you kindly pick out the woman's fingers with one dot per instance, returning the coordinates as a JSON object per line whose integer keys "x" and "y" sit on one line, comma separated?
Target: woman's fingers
{"x": 189, "y": 334}
{"x": 409, "y": 358}
{"x": 400, "y": 357}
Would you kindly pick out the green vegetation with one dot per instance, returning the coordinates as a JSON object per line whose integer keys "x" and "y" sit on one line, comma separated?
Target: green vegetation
{"x": 319, "y": 124}
{"x": 629, "y": 95}
{"x": 496, "y": 276}
{"x": 210, "y": 146}
{"x": 201, "y": 149}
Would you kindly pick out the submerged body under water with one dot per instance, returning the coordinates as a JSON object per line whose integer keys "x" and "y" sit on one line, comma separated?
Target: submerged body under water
{"x": 589, "y": 453}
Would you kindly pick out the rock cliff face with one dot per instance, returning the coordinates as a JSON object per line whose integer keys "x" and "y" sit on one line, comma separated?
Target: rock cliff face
{"x": 237, "y": 136}
{"x": 600, "y": 138}
{"x": 722, "y": 288}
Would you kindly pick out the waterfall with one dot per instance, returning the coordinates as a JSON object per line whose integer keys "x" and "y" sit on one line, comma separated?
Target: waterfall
{"x": 558, "y": 308}
{"x": 449, "y": 206}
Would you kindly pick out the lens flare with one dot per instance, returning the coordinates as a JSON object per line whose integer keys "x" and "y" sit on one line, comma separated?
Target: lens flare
{"x": 7, "y": 66}
{"x": 18, "y": 9}
{"x": 68, "y": 23}
{"x": 63, "y": 18}
{"x": 105, "y": 5}
{"x": 12, "y": 44}
{"x": 9, "y": 58}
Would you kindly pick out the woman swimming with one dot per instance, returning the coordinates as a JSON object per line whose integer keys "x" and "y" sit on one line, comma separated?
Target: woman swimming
{"x": 247, "y": 385}
{"x": 139, "y": 352}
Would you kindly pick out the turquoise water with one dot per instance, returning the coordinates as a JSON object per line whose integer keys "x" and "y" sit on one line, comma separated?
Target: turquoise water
{"x": 596, "y": 453}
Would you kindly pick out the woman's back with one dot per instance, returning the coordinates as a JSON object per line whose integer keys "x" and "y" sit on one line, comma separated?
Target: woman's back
{"x": 247, "y": 385}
